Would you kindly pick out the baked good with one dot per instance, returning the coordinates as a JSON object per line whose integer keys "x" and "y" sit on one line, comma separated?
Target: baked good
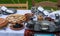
{"x": 3, "y": 22}
{"x": 28, "y": 16}
{"x": 40, "y": 17}
{"x": 17, "y": 26}
{"x": 16, "y": 18}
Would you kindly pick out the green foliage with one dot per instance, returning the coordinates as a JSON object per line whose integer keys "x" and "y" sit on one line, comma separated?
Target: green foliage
{"x": 11, "y": 1}
{"x": 49, "y": 8}
{"x": 23, "y": 1}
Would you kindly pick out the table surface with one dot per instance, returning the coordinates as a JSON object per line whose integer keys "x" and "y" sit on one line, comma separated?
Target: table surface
{"x": 8, "y": 30}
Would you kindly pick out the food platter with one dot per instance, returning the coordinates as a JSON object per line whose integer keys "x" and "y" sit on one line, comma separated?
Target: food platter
{"x": 20, "y": 12}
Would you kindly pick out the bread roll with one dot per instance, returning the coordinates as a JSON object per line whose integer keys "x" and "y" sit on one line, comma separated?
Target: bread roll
{"x": 3, "y": 22}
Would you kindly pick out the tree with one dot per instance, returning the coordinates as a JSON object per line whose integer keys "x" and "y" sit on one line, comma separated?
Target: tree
{"x": 13, "y": 1}
{"x": 33, "y": 2}
{"x": 58, "y": 3}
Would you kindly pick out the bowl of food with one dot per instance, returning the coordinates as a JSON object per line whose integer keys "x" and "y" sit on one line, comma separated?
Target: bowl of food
{"x": 17, "y": 26}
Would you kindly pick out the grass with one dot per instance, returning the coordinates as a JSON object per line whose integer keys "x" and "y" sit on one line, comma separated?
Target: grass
{"x": 23, "y": 1}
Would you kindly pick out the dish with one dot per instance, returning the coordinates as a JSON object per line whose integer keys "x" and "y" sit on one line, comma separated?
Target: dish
{"x": 17, "y": 26}
{"x": 16, "y": 18}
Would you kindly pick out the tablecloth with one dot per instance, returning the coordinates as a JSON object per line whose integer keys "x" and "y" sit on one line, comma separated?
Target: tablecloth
{"x": 8, "y": 31}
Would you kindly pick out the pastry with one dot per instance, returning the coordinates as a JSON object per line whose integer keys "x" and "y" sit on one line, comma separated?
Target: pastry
{"x": 14, "y": 18}
{"x": 3, "y": 22}
{"x": 40, "y": 17}
{"x": 17, "y": 26}
{"x": 17, "y": 18}
{"x": 28, "y": 16}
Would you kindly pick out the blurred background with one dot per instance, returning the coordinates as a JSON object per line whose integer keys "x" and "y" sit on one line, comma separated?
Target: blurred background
{"x": 24, "y": 1}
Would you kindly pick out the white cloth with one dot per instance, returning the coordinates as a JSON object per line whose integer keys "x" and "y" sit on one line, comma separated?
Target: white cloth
{"x": 18, "y": 12}
{"x": 52, "y": 15}
{"x": 8, "y": 31}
